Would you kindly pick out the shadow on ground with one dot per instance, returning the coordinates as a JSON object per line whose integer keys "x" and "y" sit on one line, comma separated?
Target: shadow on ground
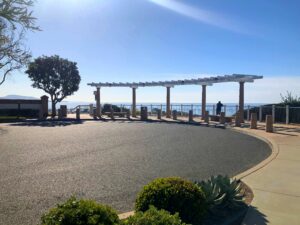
{"x": 255, "y": 217}
{"x": 277, "y": 129}
{"x": 54, "y": 123}
{"x": 181, "y": 122}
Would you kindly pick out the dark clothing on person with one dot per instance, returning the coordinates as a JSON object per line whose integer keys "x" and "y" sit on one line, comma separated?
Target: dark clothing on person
{"x": 219, "y": 108}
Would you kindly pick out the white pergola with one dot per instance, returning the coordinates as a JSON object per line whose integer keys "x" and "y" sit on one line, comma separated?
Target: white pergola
{"x": 204, "y": 82}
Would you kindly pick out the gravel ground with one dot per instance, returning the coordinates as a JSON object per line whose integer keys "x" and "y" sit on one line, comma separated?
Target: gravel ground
{"x": 44, "y": 164}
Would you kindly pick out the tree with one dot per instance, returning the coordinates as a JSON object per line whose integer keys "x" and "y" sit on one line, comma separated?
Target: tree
{"x": 15, "y": 20}
{"x": 289, "y": 99}
{"x": 56, "y": 76}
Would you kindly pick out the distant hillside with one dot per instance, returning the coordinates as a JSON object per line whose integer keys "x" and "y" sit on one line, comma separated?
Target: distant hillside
{"x": 17, "y": 97}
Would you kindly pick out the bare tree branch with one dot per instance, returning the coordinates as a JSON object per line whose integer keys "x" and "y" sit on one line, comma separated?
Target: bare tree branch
{"x": 15, "y": 20}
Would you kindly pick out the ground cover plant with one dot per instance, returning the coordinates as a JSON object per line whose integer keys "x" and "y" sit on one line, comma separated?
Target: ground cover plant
{"x": 154, "y": 216}
{"x": 175, "y": 195}
{"x": 80, "y": 212}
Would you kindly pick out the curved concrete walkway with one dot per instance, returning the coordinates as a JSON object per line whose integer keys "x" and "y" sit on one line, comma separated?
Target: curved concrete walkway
{"x": 276, "y": 185}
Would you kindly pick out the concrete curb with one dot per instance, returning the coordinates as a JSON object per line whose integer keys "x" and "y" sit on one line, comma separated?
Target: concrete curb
{"x": 274, "y": 154}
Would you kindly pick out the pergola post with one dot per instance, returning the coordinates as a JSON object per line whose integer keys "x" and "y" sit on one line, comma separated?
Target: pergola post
{"x": 134, "y": 101}
{"x": 203, "y": 102}
{"x": 241, "y": 101}
{"x": 168, "y": 113}
{"x": 98, "y": 104}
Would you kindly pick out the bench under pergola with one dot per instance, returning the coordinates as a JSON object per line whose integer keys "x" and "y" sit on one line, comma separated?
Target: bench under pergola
{"x": 204, "y": 82}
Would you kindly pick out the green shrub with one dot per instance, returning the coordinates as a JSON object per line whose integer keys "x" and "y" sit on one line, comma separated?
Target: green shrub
{"x": 222, "y": 193}
{"x": 80, "y": 212}
{"x": 28, "y": 113}
{"x": 174, "y": 195}
{"x": 154, "y": 217}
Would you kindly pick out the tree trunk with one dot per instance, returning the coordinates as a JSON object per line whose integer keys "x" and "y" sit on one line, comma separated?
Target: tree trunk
{"x": 53, "y": 109}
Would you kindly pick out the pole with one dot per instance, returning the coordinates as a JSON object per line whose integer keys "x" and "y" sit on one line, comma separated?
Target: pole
{"x": 241, "y": 101}
{"x": 287, "y": 114}
{"x": 203, "y": 108}
{"x": 133, "y": 101}
{"x": 168, "y": 102}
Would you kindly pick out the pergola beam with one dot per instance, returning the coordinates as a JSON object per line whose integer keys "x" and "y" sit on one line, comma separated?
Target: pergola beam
{"x": 202, "y": 81}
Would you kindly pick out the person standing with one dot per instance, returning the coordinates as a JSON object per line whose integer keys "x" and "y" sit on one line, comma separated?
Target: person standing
{"x": 219, "y": 107}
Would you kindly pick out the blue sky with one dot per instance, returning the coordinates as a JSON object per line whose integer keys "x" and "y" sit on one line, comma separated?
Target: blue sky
{"x": 145, "y": 40}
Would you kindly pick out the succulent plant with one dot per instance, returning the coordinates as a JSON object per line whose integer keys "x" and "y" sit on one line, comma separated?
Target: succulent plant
{"x": 222, "y": 192}
{"x": 234, "y": 195}
{"x": 213, "y": 195}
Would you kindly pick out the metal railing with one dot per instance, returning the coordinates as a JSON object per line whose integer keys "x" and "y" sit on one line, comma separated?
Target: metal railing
{"x": 82, "y": 109}
{"x": 183, "y": 109}
{"x": 280, "y": 113}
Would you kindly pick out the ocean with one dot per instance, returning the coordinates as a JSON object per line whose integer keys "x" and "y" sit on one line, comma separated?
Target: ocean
{"x": 228, "y": 108}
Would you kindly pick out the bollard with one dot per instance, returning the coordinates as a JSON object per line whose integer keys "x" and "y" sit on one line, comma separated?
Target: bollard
{"x": 237, "y": 119}
{"x": 112, "y": 113}
{"x": 77, "y": 114}
{"x": 94, "y": 114}
{"x": 253, "y": 124}
{"x": 269, "y": 123}
{"x": 64, "y": 110}
{"x": 181, "y": 112}
{"x": 287, "y": 114}
{"x": 60, "y": 115}
{"x": 91, "y": 110}
{"x": 159, "y": 114}
{"x": 191, "y": 116}
{"x": 206, "y": 118}
{"x": 144, "y": 113}
{"x": 174, "y": 113}
{"x": 128, "y": 114}
{"x": 222, "y": 118}
{"x": 248, "y": 114}
{"x": 273, "y": 113}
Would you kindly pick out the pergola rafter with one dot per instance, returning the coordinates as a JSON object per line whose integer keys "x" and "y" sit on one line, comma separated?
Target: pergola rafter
{"x": 204, "y": 82}
{"x": 199, "y": 81}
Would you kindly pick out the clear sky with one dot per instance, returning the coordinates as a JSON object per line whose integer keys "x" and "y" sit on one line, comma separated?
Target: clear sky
{"x": 146, "y": 40}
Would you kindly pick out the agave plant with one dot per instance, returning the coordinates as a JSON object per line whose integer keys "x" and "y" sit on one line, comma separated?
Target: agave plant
{"x": 222, "y": 193}
{"x": 213, "y": 195}
{"x": 234, "y": 195}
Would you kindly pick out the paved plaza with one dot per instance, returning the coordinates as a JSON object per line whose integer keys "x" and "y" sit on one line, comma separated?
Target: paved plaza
{"x": 43, "y": 164}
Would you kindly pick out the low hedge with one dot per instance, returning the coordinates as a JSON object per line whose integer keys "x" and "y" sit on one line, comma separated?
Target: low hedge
{"x": 28, "y": 113}
{"x": 154, "y": 217}
{"x": 174, "y": 195}
{"x": 80, "y": 212}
